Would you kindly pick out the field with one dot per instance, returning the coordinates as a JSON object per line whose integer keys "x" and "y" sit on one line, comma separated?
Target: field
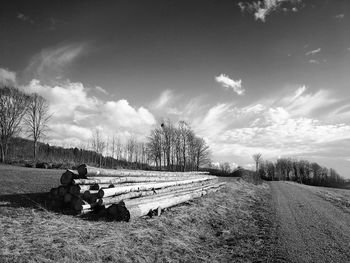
{"x": 232, "y": 225}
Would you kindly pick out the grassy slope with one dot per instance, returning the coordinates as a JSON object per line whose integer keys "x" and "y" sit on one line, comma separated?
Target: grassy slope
{"x": 231, "y": 225}
{"x": 339, "y": 197}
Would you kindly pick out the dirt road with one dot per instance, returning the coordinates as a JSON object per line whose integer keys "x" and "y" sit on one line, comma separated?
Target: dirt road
{"x": 309, "y": 228}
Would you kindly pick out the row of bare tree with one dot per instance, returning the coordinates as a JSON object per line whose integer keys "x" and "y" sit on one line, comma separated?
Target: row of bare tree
{"x": 21, "y": 112}
{"x": 177, "y": 147}
{"x": 168, "y": 147}
{"x": 300, "y": 171}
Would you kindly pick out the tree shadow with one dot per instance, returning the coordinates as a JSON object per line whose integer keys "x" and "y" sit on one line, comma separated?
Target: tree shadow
{"x": 43, "y": 202}
{"x": 28, "y": 200}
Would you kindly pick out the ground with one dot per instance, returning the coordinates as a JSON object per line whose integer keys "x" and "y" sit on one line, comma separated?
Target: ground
{"x": 312, "y": 223}
{"x": 231, "y": 225}
{"x": 243, "y": 222}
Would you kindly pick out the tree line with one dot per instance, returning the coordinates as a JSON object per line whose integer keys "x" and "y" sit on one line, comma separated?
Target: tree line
{"x": 168, "y": 147}
{"x": 172, "y": 147}
{"x": 301, "y": 171}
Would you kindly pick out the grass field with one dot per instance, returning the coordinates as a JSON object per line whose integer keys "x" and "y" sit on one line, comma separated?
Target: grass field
{"x": 231, "y": 225}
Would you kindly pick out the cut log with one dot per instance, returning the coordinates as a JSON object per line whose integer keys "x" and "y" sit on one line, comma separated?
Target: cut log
{"x": 141, "y": 187}
{"x": 78, "y": 189}
{"x": 76, "y": 202}
{"x": 119, "y": 212}
{"x": 100, "y": 186}
{"x": 62, "y": 190}
{"x": 69, "y": 175}
{"x": 54, "y": 192}
{"x": 169, "y": 195}
{"x": 84, "y": 206}
{"x": 85, "y": 211}
{"x": 118, "y": 198}
{"x": 90, "y": 196}
{"x": 142, "y": 209}
{"x": 120, "y": 180}
{"x": 133, "y": 208}
{"x": 88, "y": 171}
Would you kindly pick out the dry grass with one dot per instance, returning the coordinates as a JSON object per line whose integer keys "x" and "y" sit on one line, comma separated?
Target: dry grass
{"x": 338, "y": 197}
{"x": 232, "y": 225}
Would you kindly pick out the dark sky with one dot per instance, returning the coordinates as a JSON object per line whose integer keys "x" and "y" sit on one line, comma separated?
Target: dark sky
{"x": 164, "y": 56}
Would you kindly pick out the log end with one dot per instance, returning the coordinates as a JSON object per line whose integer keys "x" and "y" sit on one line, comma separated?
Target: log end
{"x": 66, "y": 178}
{"x": 82, "y": 169}
{"x": 119, "y": 212}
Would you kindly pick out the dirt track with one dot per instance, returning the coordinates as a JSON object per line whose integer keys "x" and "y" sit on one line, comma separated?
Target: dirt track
{"x": 309, "y": 229}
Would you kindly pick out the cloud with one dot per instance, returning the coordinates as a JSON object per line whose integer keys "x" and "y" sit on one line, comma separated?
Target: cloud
{"x": 339, "y": 17}
{"x": 7, "y": 77}
{"x": 227, "y": 82}
{"x": 279, "y": 126}
{"x": 313, "y": 52}
{"x": 100, "y": 89}
{"x": 51, "y": 63}
{"x": 76, "y": 113}
{"x": 261, "y": 9}
{"x": 306, "y": 104}
{"x": 163, "y": 99}
{"x": 24, "y": 18}
{"x": 314, "y": 61}
{"x": 123, "y": 115}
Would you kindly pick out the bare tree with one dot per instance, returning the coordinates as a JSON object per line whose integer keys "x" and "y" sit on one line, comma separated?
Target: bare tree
{"x": 13, "y": 106}
{"x": 257, "y": 159}
{"x": 154, "y": 147}
{"x": 131, "y": 148}
{"x": 184, "y": 130}
{"x": 36, "y": 119}
{"x": 225, "y": 167}
{"x": 98, "y": 145}
{"x": 202, "y": 152}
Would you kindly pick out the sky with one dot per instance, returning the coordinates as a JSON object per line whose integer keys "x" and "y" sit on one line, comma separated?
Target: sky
{"x": 269, "y": 76}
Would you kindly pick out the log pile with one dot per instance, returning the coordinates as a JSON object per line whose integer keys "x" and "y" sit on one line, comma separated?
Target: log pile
{"x": 127, "y": 194}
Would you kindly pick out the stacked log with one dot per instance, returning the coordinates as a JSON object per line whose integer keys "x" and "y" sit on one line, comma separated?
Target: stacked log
{"x": 127, "y": 194}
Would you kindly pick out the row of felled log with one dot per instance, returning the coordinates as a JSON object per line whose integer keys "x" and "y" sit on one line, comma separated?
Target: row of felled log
{"x": 127, "y": 194}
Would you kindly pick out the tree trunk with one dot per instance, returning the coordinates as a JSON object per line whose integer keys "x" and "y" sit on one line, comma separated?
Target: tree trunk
{"x": 143, "y": 206}
{"x": 5, "y": 148}
{"x": 158, "y": 192}
{"x": 147, "y": 186}
{"x": 2, "y": 154}
{"x": 89, "y": 171}
{"x": 34, "y": 149}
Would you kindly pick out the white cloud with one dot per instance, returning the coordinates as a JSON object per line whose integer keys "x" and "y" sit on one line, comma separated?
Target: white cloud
{"x": 299, "y": 92}
{"x": 314, "y": 61}
{"x": 50, "y": 63}
{"x": 313, "y": 52}
{"x": 121, "y": 114}
{"x": 261, "y": 9}
{"x": 279, "y": 126}
{"x": 307, "y": 104}
{"x": 100, "y": 89}
{"x": 7, "y": 77}
{"x": 227, "y": 82}
{"x": 76, "y": 113}
{"x": 163, "y": 99}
